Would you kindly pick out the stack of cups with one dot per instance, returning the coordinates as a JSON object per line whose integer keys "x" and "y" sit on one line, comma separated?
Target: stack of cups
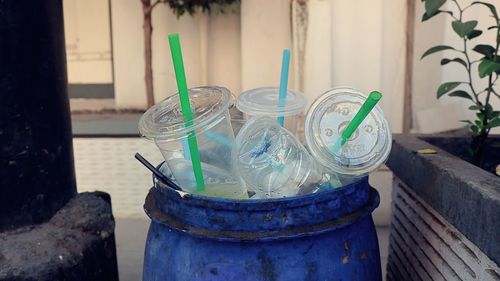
{"x": 273, "y": 163}
{"x": 267, "y": 158}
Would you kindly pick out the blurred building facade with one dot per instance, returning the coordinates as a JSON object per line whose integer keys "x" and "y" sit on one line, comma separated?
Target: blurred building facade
{"x": 347, "y": 43}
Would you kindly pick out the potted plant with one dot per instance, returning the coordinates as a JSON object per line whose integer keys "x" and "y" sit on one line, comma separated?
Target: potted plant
{"x": 445, "y": 217}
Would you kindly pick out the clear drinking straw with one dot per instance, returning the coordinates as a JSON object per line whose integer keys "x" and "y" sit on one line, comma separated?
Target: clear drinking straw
{"x": 180, "y": 76}
{"x": 365, "y": 109}
{"x": 285, "y": 64}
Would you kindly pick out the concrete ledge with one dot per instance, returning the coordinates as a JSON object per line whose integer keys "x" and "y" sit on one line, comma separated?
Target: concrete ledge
{"x": 465, "y": 195}
{"x": 77, "y": 243}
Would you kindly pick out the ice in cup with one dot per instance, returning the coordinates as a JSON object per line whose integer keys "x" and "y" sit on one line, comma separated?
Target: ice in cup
{"x": 367, "y": 148}
{"x": 265, "y": 102}
{"x": 164, "y": 123}
{"x": 273, "y": 163}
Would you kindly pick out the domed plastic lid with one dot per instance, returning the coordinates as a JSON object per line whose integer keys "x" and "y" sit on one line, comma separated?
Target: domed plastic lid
{"x": 329, "y": 115}
{"x": 265, "y": 101}
{"x": 164, "y": 120}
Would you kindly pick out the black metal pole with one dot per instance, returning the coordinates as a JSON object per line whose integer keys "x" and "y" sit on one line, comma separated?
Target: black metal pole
{"x": 36, "y": 155}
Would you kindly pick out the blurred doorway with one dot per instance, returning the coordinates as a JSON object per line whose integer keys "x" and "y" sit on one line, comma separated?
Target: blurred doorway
{"x": 89, "y": 50}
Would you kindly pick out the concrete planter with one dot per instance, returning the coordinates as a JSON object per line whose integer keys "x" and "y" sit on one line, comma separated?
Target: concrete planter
{"x": 445, "y": 221}
{"x": 77, "y": 243}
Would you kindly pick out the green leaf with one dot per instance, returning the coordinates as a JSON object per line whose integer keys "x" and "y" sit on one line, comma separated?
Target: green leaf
{"x": 459, "y": 60}
{"x": 432, "y": 6}
{"x": 487, "y": 67}
{"x": 474, "y": 33}
{"x": 466, "y": 121}
{"x": 475, "y": 107}
{"x": 464, "y": 28}
{"x": 474, "y": 129}
{"x": 462, "y": 94}
{"x": 485, "y": 50}
{"x": 493, "y": 123}
{"x": 425, "y": 16}
{"x": 488, "y": 110}
{"x": 446, "y": 87}
{"x": 436, "y": 49}
{"x": 480, "y": 116}
{"x": 490, "y": 6}
{"x": 490, "y": 113}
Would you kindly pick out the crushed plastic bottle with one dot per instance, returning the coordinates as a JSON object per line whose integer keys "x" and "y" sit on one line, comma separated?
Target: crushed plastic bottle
{"x": 273, "y": 163}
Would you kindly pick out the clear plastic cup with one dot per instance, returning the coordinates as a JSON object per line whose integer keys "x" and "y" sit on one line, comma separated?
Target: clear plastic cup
{"x": 367, "y": 148}
{"x": 265, "y": 102}
{"x": 273, "y": 163}
{"x": 164, "y": 123}
{"x": 237, "y": 117}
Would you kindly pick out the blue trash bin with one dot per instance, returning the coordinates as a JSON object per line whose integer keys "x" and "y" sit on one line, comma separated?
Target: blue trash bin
{"x": 328, "y": 235}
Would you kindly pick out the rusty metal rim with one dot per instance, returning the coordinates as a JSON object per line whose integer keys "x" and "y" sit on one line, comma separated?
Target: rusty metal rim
{"x": 240, "y": 236}
{"x": 256, "y": 204}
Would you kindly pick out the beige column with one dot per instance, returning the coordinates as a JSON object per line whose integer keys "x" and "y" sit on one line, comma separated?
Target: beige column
{"x": 128, "y": 61}
{"x": 319, "y": 64}
{"x": 265, "y": 31}
{"x": 210, "y": 46}
{"x": 224, "y": 51}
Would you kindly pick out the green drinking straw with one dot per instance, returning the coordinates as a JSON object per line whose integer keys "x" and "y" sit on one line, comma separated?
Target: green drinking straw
{"x": 180, "y": 76}
{"x": 285, "y": 64}
{"x": 365, "y": 109}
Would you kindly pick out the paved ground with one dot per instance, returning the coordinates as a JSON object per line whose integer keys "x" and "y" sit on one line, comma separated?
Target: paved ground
{"x": 130, "y": 234}
{"x": 383, "y": 242}
{"x": 106, "y": 124}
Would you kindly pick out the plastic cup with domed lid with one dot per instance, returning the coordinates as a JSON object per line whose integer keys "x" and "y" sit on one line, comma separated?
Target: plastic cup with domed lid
{"x": 364, "y": 151}
{"x": 164, "y": 123}
{"x": 266, "y": 102}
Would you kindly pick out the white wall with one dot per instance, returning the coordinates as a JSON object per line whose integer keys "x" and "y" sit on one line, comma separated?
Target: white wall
{"x": 353, "y": 43}
{"x": 224, "y": 51}
{"x": 349, "y": 43}
{"x": 393, "y": 60}
{"x": 318, "y": 59}
{"x": 358, "y": 44}
{"x": 265, "y": 32}
{"x": 128, "y": 47}
{"x": 222, "y": 58}
{"x": 88, "y": 41}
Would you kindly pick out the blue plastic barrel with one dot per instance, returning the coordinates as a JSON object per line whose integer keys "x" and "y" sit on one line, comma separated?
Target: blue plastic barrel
{"x": 324, "y": 236}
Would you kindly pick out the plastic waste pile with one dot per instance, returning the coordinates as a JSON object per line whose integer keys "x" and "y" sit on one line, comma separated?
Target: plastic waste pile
{"x": 250, "y": 147}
